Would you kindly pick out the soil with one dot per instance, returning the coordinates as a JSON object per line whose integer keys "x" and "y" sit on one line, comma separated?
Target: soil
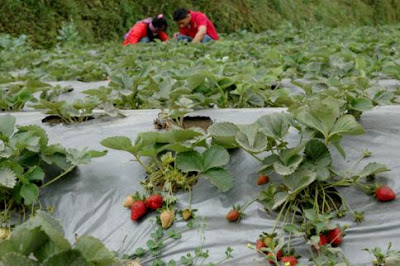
{"x": 203, "y": 122}
{"x": 55, "y": 120}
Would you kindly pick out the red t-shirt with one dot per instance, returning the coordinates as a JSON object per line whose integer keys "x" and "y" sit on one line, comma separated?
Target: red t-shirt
{"x": 138, "y": 31}
{"x": 199, "y": 19}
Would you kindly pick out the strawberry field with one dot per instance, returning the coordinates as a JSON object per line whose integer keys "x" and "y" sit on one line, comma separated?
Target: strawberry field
{"x": 279, "y": 147}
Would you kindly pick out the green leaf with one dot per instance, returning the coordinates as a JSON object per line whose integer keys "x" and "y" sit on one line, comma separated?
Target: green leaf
{"x": 94, "y": 251}
{"x": 361, "y": 104}
{"x": 384, "y": 97}
{"x": 8, "y": 178}
{"x": 220, "y": 178}
{"x": 97, "y": 154}
{"x": 7, "y": 124}
{"x": 24, "y": 241}
{"x": 35, "y": 173}
{"x": 30, "y": 193}
{"x": 118, "y": 143}
{"x": 224, "y": 134}
{"x": 317, "y": 152}
{"x": 177, "y": 147}
{"x": 274, "y": 125}
{"x": 320, "y": 115}
{"x": 323, "y": 173}
{"x": 299, "y": 180}
{"x": 279, "y": 199}
{"x": 16, "y": 259}
{"x": 57, "y": 159}
{"x": 250, "y": 139}
{"x": 335, "y": 140}
{"x": 37, "y": 131}
{"x": 189, "y": 161}
{"x": 215, "y": 156}
{"x": 75, "y": 156}
{"x": 289, "y": 167}
{"x": 372, "y": 169}
{"x": 172, "y": 136}
{"x": 25, "y": 140}
{"x": 286, "y": 155}
{"x": 346, "y": 124}
{"x": 66, "y": 258}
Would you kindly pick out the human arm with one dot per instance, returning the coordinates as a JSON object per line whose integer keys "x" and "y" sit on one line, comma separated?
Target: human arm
{"x": 163, "y": 36}
{"x": 201, "y": 33}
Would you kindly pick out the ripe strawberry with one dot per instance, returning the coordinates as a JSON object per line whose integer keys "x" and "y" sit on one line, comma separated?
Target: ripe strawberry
{"x": 260, "y": 244}
{"x": 233, "y": 215}
{"x": 167, "y": 218}
{"x": 128, "y": 201}
{"x": 335, "y": 236}
{"x": 278, "y": 256}
{"x": 385, "y": 193}
{"x": 154, "y": 201}
{"x": 262, "y": 180}
{"x": 323, "y": 240}
{"x": 291, "y": 259}
{"x": 138, "y": 209}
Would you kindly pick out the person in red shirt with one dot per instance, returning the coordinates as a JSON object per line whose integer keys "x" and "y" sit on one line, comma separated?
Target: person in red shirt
{"x": 194, "y": 26}
{"x": 147, "y": 30}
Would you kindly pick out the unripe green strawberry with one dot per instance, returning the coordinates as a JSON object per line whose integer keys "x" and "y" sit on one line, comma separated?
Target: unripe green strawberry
{"x": 128, "y": 201}
{"x": 167, "y": 218}
{"x": 186, "y": 214}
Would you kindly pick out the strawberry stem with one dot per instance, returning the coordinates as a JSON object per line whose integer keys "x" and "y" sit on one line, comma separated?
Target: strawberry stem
{"x": 59, "y": 176}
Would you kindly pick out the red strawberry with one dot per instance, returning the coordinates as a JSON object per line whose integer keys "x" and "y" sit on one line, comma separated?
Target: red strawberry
{"x": 138, "y": 209}
{"x": 385, "y": 193}
{"x": 335, "y": 236}
{"x": 233, "y": 215}
{"x": 278, "y": 256}
{"x": 291, "y": 259}
{"x": 262, "y": 180}
{"x": 323, "y": 240}
{"x": 154, "y": 201}
{"x": 260, "y": 244}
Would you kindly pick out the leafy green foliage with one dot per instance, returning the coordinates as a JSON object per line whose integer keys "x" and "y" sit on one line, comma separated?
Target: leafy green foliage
{"x": 24, "y": 157}
{"x": 175, "y": 164}
{"x": 41, "y": 240}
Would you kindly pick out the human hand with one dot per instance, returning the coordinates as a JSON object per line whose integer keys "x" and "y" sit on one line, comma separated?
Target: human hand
{"x": 176, "y": 34}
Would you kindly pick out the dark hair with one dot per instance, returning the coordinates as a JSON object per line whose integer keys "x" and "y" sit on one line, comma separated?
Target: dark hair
{"x": 180, "y": 14}
{"x": 159, "y": 22}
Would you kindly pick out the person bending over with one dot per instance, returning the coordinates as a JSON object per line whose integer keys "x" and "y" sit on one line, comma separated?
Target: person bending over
{"x": 147, "y": 30}
{"x": 194, "y": 26}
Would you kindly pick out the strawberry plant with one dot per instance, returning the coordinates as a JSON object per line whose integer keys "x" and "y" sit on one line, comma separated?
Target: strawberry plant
{"x": 160, "y": 240}
{"x": 174, "y": 163}
{"x": 76, "y": 112}
{"x": 25, "y": 156}
{"x": 390, "y": 257}
{"x": 41, "y": 240}
{"x": 14, "y": 97}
